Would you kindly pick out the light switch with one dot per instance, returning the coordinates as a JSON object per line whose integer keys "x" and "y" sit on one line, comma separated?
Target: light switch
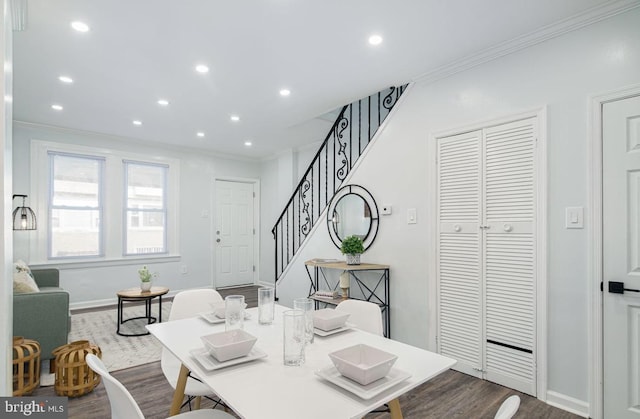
{"x": 411, "y": 216}
{"x": 574, "y": 217}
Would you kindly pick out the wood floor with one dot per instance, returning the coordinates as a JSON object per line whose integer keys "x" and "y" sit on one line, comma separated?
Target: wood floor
{"x": 450, "y": 395}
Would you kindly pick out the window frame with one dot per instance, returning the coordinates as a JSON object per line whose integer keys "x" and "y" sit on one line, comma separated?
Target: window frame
{"x": 51, "y": 207}
{"x": 112, "y": 220}
{"x": 126, "y": 209}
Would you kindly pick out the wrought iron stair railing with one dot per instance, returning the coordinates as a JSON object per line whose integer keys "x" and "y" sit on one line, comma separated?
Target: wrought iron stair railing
{"x": 351, "y": 133}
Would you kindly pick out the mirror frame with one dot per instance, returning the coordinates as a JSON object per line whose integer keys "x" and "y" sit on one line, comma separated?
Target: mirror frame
{"x": 373, "y": 207}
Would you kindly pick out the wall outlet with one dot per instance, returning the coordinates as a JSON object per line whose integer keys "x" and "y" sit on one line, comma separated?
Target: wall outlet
{"x": 386, "y": 210}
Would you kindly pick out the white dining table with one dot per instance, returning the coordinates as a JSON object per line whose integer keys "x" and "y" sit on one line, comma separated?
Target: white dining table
{"x": 265, "y": 388}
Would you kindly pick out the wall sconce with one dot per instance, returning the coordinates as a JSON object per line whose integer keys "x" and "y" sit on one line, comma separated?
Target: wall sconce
{"x": 23, "y": 217}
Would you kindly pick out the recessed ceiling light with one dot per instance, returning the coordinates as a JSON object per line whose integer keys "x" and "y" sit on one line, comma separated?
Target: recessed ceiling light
{"x": 201, "y": 68}
{"x": 375, "y": 39}
{"x": 200, "y": 134}
{"x": 136, "y": 122}
{"x": 248, "y": 143}
{"x": 57, "y": 107}
{"x": 285, "y": 92}
{"x": 235, "y": 118}
{"x": 163, "y": 102}
{"x": 80, "y": 26}
{"x": 65, "y": 79}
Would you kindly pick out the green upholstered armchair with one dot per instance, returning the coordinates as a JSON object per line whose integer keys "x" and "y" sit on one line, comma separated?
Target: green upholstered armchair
{"x": 43, "y": 316}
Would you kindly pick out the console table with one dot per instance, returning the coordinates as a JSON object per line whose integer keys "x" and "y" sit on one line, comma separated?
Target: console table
{"x": 374, "y": 288}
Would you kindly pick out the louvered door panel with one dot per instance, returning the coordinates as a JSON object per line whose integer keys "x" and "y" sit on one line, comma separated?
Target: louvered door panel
{"x": 509, "y": 166}
{"x": 460, "y": 327}
{"x": 509, "y": 254}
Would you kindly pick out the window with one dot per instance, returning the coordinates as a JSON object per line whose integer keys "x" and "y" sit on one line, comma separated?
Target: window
{"x": 102, "y": 206}
{"x": 145, "y": 208}
{"x": 75, "y": 206}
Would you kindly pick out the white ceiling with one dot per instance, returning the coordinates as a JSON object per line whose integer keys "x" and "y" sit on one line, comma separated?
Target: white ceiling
{"x": 139, "y": 51}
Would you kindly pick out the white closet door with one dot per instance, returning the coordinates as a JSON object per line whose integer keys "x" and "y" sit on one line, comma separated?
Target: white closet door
{"x": 509, "y": 259}
{"x": 459, "y": 273}
{"x": 486, "y": 252}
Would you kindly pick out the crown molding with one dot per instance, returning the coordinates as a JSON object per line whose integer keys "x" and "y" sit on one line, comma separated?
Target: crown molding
{"x": 137, "y": 141}
{"x": 545, "y": 33}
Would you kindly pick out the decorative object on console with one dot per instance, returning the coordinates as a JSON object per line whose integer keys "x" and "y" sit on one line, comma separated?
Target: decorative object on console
{"x": 344, "y": 284}
{"x": 352, "y": 247}
{"x": 145, "y": 278}
{"x": 23, "y": 217}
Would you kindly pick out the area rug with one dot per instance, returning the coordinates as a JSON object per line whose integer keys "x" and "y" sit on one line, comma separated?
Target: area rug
{"x": 118, "y": 352}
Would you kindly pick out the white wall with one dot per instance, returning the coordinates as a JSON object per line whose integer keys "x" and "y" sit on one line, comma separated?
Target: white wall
{"x": 6, "y": 226}
{"x": 560, "y": 74}
{"x": 93, "y": 285}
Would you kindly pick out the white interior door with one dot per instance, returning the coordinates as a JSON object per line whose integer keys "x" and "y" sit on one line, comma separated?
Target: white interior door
{"x": 234, "y": 233}
{"x": 621, "y": 257}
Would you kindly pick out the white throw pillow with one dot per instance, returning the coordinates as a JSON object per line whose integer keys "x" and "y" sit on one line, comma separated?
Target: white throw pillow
{"x": 24, "y": 282}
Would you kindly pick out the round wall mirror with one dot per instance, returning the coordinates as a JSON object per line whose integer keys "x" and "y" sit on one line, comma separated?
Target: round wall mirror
{"x": 353, "y": 212}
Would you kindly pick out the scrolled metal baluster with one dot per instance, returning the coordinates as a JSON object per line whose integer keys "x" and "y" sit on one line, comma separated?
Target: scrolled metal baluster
{"x": 391, "y": 99}
{"x": 306, "y": 226}
{"x": 342, "y": 125}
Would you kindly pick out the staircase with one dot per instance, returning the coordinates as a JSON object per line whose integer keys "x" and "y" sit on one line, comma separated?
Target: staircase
{"x": 351, "y": 133}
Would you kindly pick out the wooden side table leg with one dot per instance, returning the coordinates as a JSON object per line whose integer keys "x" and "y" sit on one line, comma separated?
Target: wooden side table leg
{"x": 394, "y": 407}
{"x": 178, "y": 394}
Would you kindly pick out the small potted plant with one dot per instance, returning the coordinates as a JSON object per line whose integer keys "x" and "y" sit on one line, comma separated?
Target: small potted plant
{"x": 145, "y": 278}
{"x": 352, "y": 247}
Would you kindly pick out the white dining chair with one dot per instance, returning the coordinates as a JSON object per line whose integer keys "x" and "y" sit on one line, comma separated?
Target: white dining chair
{"x": 186, "y": 304}
{"x": 123, "y": 405}
{"x": 364, "y": 315}
{"x": 508, "y": 408}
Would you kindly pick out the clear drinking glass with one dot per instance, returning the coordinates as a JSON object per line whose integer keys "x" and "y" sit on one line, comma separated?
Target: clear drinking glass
{"x": 266, "y": 305}
{"x": 293, "y": 337}
{"x": 306, "y": 305}
{"x": 234, "y": 312}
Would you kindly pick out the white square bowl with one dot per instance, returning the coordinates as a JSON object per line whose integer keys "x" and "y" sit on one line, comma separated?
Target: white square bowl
{"x": 362, "y": 363}
{"x": 230, "y": 344}
{"x": 328, "y": 319}
{"x": 219, "y": 309}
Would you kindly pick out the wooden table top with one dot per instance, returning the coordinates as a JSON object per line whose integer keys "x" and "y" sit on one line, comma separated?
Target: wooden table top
{"x": 138, "y": 293}
{"x": 323, "y": 263}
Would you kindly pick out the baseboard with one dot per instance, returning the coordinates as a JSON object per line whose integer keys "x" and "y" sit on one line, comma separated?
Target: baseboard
{"x": 564, "y": 402}
{"x": 265, "y": 284}
{"x": 81, "y": 305}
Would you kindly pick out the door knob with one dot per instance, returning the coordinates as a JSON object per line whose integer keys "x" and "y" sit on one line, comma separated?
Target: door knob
{"x": 218, "y": 240}
{"x": 457, "y": 228}
{"x": 618, "y": 288}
